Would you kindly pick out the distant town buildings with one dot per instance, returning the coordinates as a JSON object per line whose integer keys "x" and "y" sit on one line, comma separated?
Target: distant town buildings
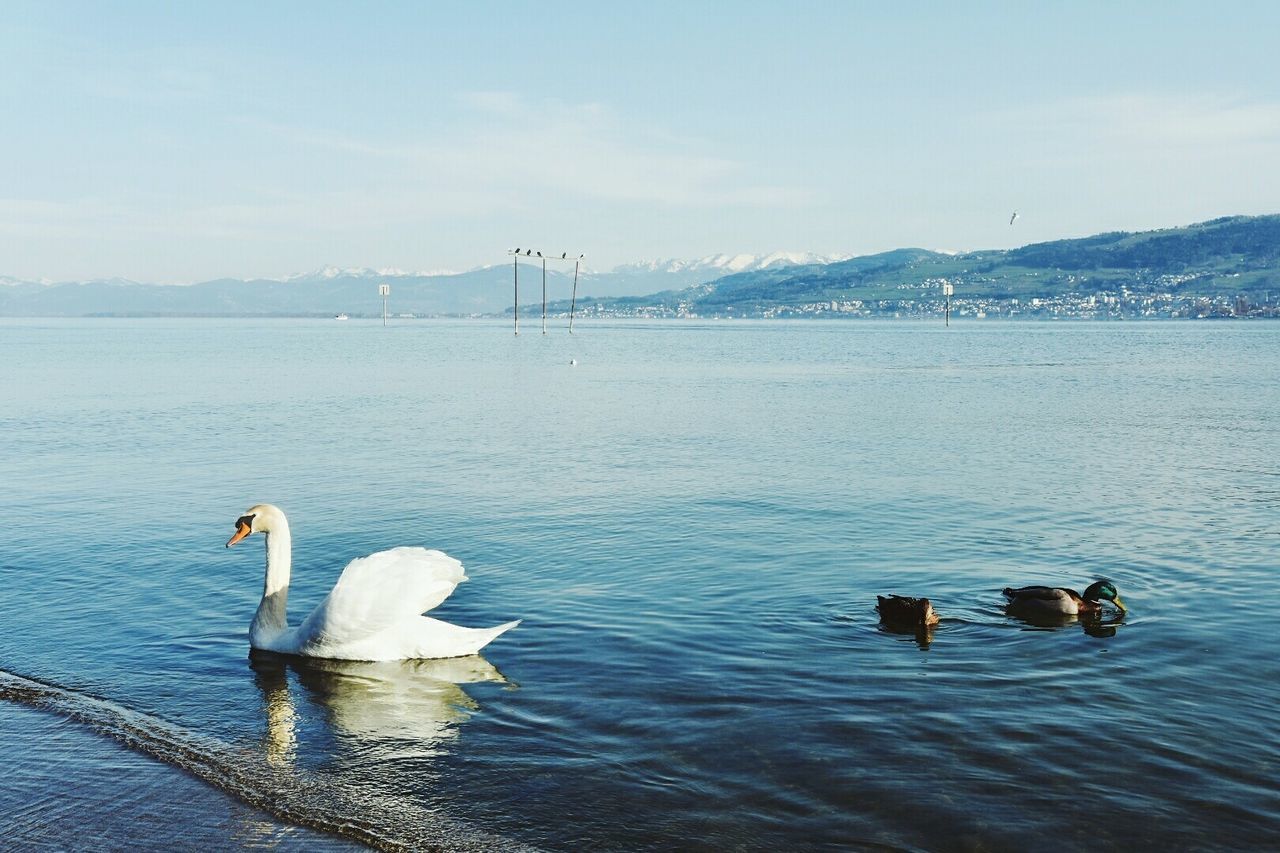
{"x": 1105, "y": 305}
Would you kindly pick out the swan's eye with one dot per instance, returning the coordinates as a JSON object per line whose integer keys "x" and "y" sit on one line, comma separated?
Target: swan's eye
{"x": 246, "y": 520}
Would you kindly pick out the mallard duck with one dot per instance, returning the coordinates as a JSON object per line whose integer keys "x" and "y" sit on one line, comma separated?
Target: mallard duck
{"x": 1059, "y": 600}
{"x": 900, "y": 613}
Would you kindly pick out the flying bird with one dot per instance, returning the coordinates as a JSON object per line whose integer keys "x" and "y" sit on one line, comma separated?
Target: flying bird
{"x": 1011, "y": 218}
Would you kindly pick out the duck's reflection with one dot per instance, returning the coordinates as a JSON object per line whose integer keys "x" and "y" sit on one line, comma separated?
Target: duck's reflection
{"x": 1093, "y": 624}
{"x": 417, "y": 700}
{"x": 922, "y": 634}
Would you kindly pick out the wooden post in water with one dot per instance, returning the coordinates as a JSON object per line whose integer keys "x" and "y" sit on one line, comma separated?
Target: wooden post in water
{"x": 515, "y": 286}
{"x": 574, "y": 301}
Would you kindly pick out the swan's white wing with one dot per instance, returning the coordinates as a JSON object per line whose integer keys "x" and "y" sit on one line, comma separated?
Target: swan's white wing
{"x": 375, "y": 593}
{"x": 424, "y": 637}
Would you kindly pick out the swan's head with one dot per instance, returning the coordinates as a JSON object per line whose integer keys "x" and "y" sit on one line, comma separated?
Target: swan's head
{"x": 256, "y": 519}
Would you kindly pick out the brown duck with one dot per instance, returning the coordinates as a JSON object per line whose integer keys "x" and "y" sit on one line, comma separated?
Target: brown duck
{"x": 900, "y": 613}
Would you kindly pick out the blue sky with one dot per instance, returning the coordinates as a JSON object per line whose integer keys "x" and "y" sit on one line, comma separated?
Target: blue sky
{"x": 182, "y": 142}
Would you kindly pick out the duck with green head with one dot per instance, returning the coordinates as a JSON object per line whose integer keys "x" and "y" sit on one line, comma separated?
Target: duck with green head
{"x": 1060, "y": 601}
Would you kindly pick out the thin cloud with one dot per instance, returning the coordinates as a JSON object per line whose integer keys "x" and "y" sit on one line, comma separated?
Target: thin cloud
{"x": 1194, "y": 121}
{"x": 504, "y": 147}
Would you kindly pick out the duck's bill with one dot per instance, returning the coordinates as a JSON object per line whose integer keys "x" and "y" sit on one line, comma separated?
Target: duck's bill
{"x": 242, "y": 530}
{"x": 1120, "y": 604}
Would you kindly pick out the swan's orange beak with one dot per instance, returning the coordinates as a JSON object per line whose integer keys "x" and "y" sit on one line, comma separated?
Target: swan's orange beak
{"x": 242, "y": 530}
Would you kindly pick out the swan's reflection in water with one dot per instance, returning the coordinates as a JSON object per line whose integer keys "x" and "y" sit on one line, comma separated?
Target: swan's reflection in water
{"x": 411, "y": 702}
{"x": 1093, "y": 624}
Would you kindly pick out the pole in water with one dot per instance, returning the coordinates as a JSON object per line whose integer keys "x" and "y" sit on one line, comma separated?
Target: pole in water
{"x": 947, "y": 290}
{"x": 384, "y": 290}
{"x": 544, "y": 296}
{"x": 574, "y": 300}
{"x": 515, "y": 300}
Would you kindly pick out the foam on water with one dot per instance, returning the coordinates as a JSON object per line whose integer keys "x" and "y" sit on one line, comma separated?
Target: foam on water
{"x": 374, "y": 818}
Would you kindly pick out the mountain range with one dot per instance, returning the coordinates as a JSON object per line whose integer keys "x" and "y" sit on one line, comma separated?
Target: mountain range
{"x": 330, "y": 290}
{"x": 1235, "y": 258}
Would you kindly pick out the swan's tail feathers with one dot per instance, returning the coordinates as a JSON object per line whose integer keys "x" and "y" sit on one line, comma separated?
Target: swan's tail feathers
{"x": 436, "y": 639}
{"x": 499, "y": 630}
{"x": 485, "y": 636}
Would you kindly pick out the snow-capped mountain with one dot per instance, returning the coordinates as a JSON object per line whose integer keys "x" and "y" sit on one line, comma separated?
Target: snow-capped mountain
{"x": 724, "y": 264}
{"x": 675, "y": 274}
{"x": 329, "y": 273}
{"x": 9, "y": 281}
{"x": 330, "y": 289}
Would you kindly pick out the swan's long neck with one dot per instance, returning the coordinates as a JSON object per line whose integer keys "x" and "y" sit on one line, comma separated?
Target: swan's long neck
{"x": 270, "y": 619}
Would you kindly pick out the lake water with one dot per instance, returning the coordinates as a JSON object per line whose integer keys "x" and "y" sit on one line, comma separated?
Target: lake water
{"x": 693, "y": 523}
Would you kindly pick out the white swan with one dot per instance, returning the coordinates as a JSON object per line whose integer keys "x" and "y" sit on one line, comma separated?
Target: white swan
{"x": 374, "y": 611}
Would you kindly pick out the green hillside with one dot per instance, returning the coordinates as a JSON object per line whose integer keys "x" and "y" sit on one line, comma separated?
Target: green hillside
{"x": 1228, "y": 266}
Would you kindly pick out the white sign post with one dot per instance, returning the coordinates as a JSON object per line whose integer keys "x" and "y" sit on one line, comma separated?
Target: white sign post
{"x": 384, "y": 290}
{"x": 948, "y": 289}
